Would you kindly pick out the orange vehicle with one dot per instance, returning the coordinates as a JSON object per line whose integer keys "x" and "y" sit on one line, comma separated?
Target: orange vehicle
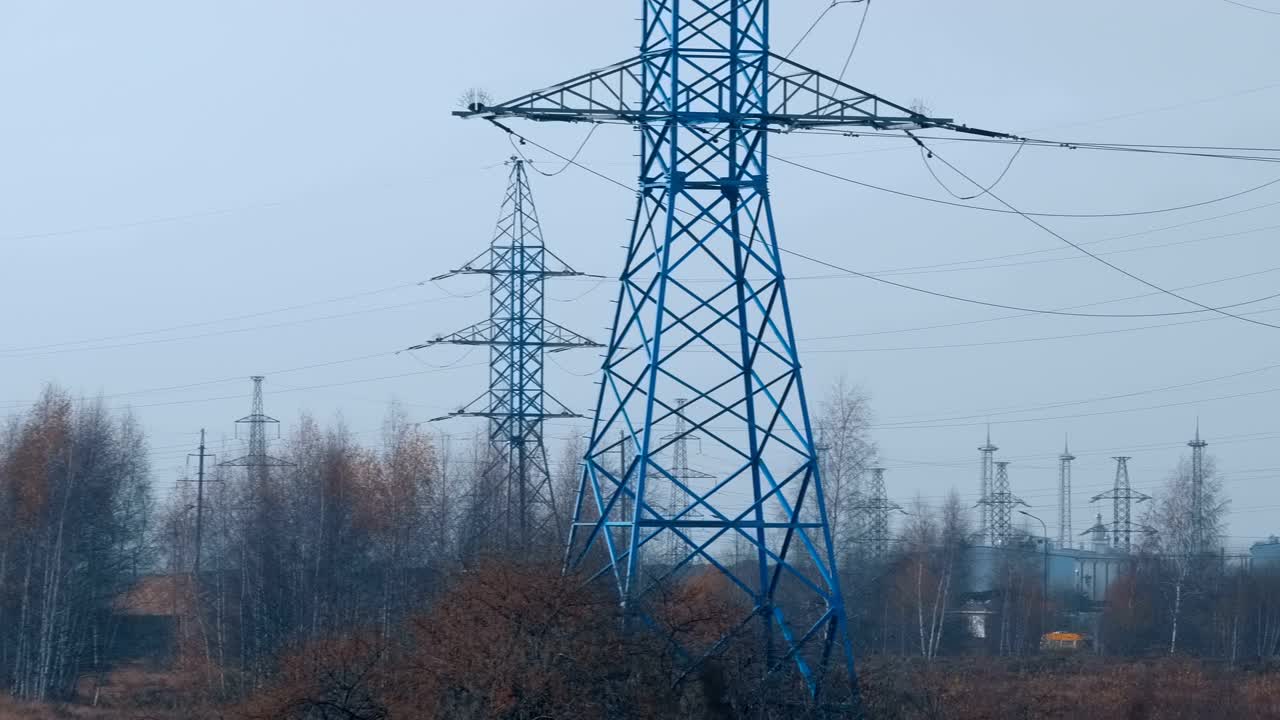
{"x": 1069, "y": 641}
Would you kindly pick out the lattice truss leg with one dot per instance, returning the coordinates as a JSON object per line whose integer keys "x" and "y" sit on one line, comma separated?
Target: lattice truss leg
{"x": 702, "y": 314}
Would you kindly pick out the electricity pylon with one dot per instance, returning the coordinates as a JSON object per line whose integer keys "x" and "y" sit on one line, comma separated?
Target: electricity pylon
{"x": 876, "y": 506}
{"x": 988, "y": 471}
{"x": 1065, "y": 534}
{"x": 518, "y": 336}
{"x": 677, "y": 499}
{"x": 1199, "y": 529}
{"x": 264, "y": 616}
{"x": 999, "y": 505}
{"x": 1122, "y": 497}
{"x": 705, "y": 92}
{"x": 257, "y": 462}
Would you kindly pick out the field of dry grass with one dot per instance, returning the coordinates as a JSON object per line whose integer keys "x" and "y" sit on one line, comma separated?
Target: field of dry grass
{"x": 948, "y": 689}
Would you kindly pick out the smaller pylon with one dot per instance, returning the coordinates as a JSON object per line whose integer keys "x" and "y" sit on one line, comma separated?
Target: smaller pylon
{"x": 1065, "y": 534}
{"x": 258, "y": 462}
{"x": 999, "y": 505}
{"x": 876, "y": 507}
{"x": 1122, "y": 497}
{"x": 984, "y": 495}
{"x": 682, "y": 498}
{"x": 1199, "y": 522}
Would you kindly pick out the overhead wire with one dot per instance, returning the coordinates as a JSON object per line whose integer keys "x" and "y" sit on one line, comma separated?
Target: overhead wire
{"x": 1252, "y": 7}
{"x": 1100, "y": 259}
{"x": 1004, "y": 211}
{"x": 903, "y": 286}
{"x": 844, "y": 69}
{"x": 982, "y": 190}
{"x": 818, "y": 21}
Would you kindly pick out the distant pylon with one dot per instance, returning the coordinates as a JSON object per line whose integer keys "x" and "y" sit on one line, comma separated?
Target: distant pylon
{"x": 999, "y": 505}
{"x": 682, "y": 495}
{"x": 1122, "y": 497}
{"x": 984, "y": 495}
{"x": 876, "y": 507}
{"x": 1199, "y": 522}
{"x": 258, "y": 462}
{"x": 518, "y": 336}
{"x": 1065, "y": 534}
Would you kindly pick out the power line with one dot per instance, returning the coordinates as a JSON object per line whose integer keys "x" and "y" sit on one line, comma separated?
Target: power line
{"x": 1102, "y": 398}
{"x": 1252, "y": 7}
{"x": 857, "y": 36}
{"x": 1042, "y": 338}
{"x": 1011, "y": 210}
{"x": 999, "y": 318}
{"x": 1100, "y": 259}
{"x": 205, "y": 323}
{"x": 1098, "y": 413}
{"x": 1001, "y": 306}
{"x": 939, "y": 201}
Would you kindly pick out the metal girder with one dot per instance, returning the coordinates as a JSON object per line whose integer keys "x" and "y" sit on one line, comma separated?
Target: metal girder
{"x": 799, "y": 97}
{"x": 505, "y": 332}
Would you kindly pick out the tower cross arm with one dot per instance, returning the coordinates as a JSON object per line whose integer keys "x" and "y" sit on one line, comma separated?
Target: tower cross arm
{"x": 488, "y": 332}
{"x": 799, "y": 98}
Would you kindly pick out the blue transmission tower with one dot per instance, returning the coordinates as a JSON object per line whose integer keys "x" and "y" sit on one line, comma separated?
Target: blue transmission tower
{"x": 518, "y": 336}
{"x": 702, "y": 313}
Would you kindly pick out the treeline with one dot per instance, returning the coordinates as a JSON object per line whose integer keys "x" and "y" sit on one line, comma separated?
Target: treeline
{"x": 382, "y": 577}
{"x": 75, "y": 517}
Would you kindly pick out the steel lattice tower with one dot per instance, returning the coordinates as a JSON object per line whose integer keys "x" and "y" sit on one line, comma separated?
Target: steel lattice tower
{"x": 877, "y": 506}
{"x": 258, "y": 462}
{"x": 705, "y": 92}
{"x": 1199, "y": 533}
{"x": 988, "y": 460}
{"x": 518, "y": 336}
{"x": 1122, "y": 497}
{"x": 1065, "y": 533}
{"x": 999, "y": 505}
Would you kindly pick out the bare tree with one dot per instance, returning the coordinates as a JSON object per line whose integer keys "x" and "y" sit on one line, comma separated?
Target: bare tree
{"x": 1180, "y": 546}
{"x": 845, "y": 453}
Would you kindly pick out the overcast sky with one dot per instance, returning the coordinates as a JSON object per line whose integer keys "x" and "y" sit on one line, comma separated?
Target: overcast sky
{"x": 195, "y": 192}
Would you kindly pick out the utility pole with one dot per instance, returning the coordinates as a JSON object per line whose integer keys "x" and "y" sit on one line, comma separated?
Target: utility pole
{"x": 988, "y": 458}
{"x": 1065, "y": 534}
{"x": 518, "y": 335}
{"x": 705, "y": 94}
{"x": 1122, "y": 497}
{"x": 200, "y": 456}
{"x": 1044, "y": 586}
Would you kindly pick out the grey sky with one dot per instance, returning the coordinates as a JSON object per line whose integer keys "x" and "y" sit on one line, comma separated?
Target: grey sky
{"x": 163, "y": 164}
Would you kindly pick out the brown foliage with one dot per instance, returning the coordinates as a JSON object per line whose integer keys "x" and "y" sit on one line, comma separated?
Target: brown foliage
{"x": 1067, "y": 689}
{"x": 505, "y": 642}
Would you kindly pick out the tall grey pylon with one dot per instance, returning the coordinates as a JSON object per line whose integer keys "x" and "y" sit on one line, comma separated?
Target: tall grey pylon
{"x": 1000, "y": 504}
{"x": 1065, "y": 534}
{"x": 1200, "y": 534}
{"x": 518, "y": 335}
{"x": 1122, "y": 497}
{"x": 987, "y": 475}
{"x": 257, "y": 462}
{"x": 876, "y": 508}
